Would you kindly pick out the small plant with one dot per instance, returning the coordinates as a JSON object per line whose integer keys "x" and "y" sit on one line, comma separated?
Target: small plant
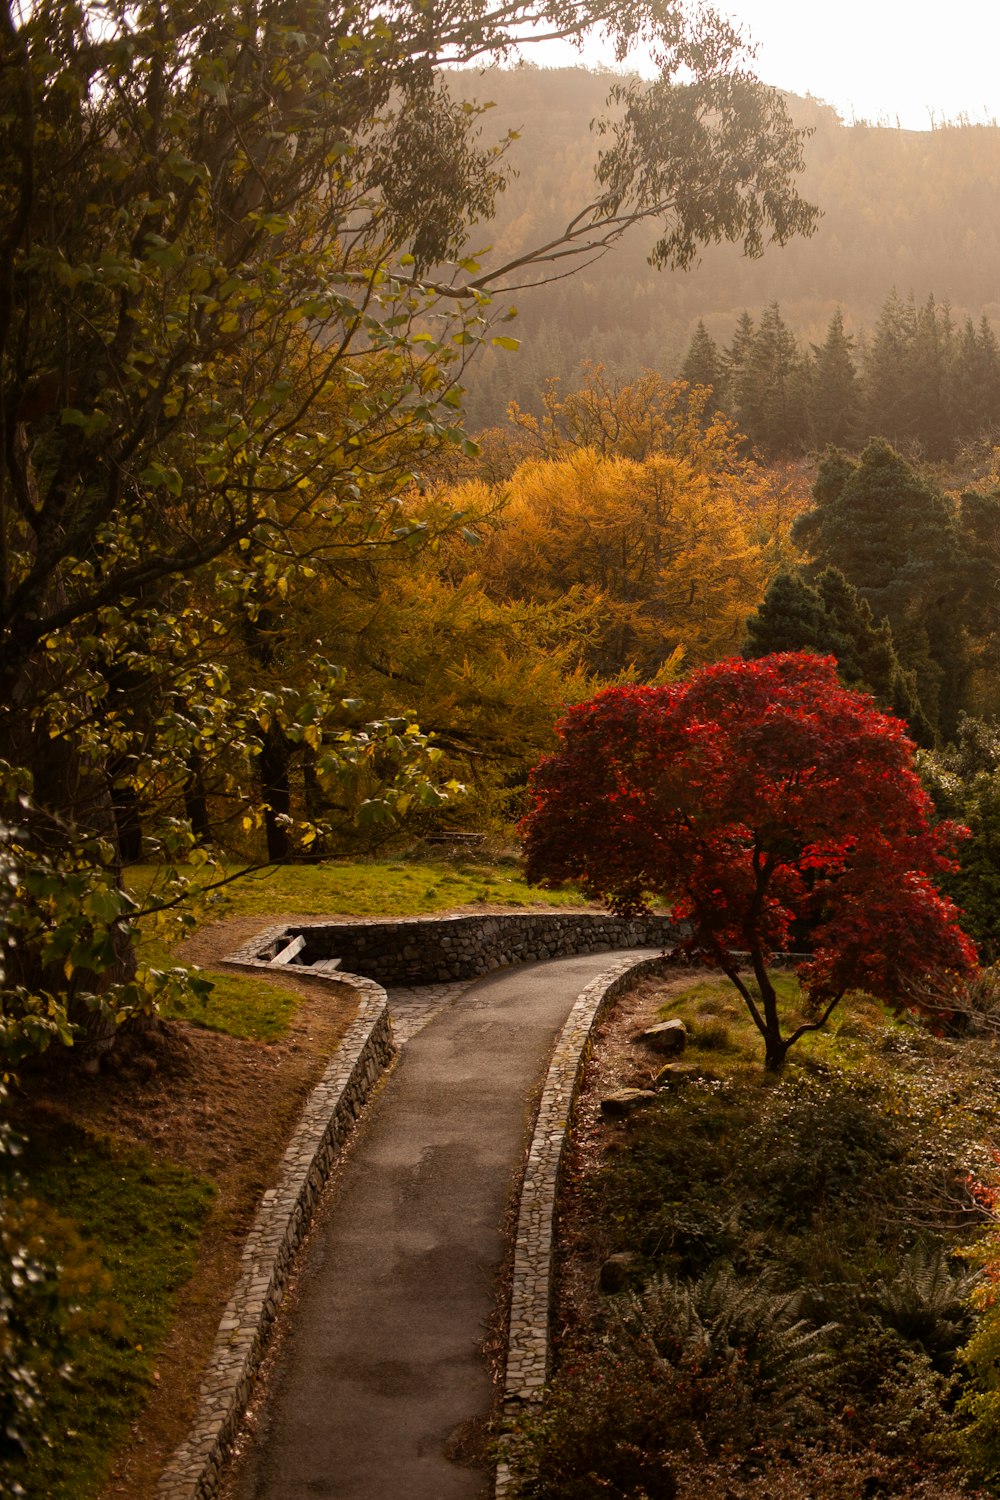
{"x": 727, "y": 1327}
{"x": 712, "y": 1035}
{"x": 927, "y": 1302}
{"x": 602, "y": 1433}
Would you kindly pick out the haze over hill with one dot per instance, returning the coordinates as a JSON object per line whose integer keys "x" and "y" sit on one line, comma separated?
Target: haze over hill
{"x": 910, "y": 210}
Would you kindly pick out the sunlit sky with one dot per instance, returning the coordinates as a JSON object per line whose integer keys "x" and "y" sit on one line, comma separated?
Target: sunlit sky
{"x": 879, "y": 60}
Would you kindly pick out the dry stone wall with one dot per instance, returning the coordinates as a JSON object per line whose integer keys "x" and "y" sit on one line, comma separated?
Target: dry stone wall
{"x": 268, "y": 1256}
{"x": 528, "y": 1339}
{"x": 436, "y": 950}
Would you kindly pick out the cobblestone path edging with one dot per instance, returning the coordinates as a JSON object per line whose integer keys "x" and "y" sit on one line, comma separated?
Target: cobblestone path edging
{"x": 283, "y": 1217}
{"x": 531, "y": 1283}
{"x": 278, "y": 1229}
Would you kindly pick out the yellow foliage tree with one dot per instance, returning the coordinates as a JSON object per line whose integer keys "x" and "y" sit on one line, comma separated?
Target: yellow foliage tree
{"x": 673, "y": 558}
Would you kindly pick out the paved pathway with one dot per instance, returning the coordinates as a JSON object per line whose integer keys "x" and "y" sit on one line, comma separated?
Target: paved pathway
{"x": 382, "y": 1365}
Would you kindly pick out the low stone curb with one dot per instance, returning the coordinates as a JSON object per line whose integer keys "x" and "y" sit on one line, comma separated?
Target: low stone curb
{"x": 531, "y": 1283}
{"x": 278, "y": 1230}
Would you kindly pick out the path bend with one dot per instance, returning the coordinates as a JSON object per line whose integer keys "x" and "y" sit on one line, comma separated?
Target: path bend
{"x": 381, "y": 1364}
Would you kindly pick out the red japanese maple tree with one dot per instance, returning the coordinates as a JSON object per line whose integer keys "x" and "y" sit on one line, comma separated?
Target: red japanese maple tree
{"x": 763, "y": 800}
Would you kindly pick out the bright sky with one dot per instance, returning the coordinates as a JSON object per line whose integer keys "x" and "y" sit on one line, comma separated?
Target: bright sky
{"x": 879, "y": 60}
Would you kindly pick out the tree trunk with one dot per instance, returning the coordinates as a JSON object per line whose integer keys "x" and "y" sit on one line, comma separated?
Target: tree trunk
{"x": 196, "y": 800}
{"x": 273, "y": 765}
{"x": 70, "y": 803}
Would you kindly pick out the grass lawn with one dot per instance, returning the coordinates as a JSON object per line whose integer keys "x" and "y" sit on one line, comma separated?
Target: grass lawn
{"x": 124, "y": 1227}
{"x": 239, "y": 1005}
{"x": 793, "y": 1297}
{"x": 370, "y": 888}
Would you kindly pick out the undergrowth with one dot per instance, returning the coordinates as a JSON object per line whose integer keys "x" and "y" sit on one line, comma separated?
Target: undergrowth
{"x": 800, "y": 1294}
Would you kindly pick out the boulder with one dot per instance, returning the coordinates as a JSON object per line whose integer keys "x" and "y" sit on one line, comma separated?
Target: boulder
{"x": 668, "y": 1038}
{"x": 617, "y": 1272}
{"x": 671, "y": 1077}
{"x": 616, "y": 1106}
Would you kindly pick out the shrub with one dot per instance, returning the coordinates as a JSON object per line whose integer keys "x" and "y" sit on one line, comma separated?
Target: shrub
{"x": 738, "y": 1339}
{"x": 603, "y": 1432}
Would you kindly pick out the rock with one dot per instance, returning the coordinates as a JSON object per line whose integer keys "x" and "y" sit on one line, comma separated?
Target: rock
{"x": 669, "y": 1038}
{"x": 616, "y": 1106}
{"x": 671, "y": 1076}
{"x": 617, "y": 1272}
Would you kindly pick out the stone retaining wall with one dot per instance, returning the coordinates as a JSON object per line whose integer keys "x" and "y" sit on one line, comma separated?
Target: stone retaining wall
{"x": 410, "y": 951}
{"x": 280, "y": 1226}
{"x": 528, "y": 1352}
{"x": 435, "y": 950}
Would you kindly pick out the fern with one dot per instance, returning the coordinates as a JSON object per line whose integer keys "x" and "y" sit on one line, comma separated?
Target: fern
{"x": 724, "y": 1324}
{"x": 927, "y": 1302}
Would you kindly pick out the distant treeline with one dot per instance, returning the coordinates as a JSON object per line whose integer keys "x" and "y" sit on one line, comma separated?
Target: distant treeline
{"x": 921, "y": 380}
{"x": 911, "y": 209}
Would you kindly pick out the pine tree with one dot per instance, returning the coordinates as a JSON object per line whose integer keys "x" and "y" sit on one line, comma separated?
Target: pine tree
{"x": 790, "y": 617}
{"x": 896, "y": 539}
{"x": 886, "y": 361}
{"x": 775, "y": 387}
{"x": 835, "y": 398}
{"x": 930, "y": 357}
{"x": 833, "y": 620}
{"x": 738, "y": 374}
{"x": 703, "y": 363}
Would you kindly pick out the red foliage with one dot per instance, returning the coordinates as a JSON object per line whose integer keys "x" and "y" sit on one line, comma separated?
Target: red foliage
{"x": 763, "y": 799}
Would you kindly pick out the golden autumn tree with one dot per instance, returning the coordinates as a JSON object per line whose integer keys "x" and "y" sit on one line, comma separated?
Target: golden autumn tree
{"x": 643, "y": 500}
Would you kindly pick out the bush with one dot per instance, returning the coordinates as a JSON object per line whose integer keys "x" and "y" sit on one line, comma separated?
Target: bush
{"x": 603, "y": 1432}
{"x": 741, "y": 1345}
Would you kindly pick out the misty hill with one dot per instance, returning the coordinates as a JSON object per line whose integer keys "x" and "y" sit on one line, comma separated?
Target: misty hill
{"x": 910, "y": 210}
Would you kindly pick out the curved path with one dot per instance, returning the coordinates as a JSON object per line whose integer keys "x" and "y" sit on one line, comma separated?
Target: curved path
{"x": 381, "y": 1368}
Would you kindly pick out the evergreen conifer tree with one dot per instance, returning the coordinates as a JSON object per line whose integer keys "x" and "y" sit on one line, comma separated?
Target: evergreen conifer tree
{"x": 703, "y": 363}
{"x": 896, "y": 539}
{"x": 886, "y": 360}
{"x": 835, "y": 394}
{"x": 774, "y": 387}
{"x": 831, "y": 619}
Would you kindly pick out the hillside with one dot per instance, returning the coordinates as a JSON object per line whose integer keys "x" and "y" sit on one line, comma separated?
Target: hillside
{"x": 914, "y": 210}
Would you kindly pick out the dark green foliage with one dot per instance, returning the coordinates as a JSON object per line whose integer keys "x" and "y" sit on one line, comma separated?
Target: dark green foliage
{"x": 834, "y": 394}
{"x": 897, "y": 540}
{"x": 803, "y": 1301}
{"x": 724, "y": 1328}
{"x": 791, "y": 617}
{"x": 29, "y": 1299}
{"x": 926, "y": 1301}
{"x": 833, "y": 620}
{"x": 964, "y": 780}
{"x": 602, "y": 1433}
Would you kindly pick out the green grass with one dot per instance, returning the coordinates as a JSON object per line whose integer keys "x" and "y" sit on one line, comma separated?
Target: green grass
{"x": 370, "y": 888}
{"x": 719, "y": 1022}
{"x": 127, "y": 1228}
{"x": 252, "y": 1009}
{"x": 257, "y": 1010}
